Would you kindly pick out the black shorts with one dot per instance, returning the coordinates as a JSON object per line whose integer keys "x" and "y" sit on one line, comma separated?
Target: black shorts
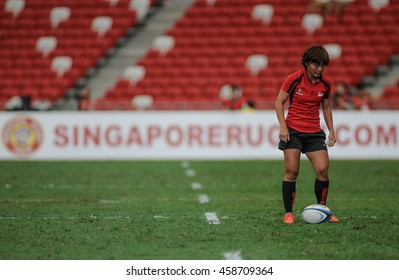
{"x": 306, "y": 142}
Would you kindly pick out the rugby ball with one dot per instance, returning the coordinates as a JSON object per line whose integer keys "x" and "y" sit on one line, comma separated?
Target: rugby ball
{"x": 316, "y": 214}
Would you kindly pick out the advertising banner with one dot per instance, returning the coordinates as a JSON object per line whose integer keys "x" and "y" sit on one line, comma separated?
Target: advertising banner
{"x": 131, "y": 135}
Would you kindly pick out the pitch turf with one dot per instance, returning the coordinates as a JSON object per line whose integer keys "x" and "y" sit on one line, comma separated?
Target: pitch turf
{"x": 149, "y": 210}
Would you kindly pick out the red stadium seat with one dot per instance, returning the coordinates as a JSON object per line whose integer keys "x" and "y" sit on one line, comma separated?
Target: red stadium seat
{"x": 65, "y": 26}
{"x": 214, "y": 39}
{"x": 390, "y": 93}
{"x": 211, "y": 44}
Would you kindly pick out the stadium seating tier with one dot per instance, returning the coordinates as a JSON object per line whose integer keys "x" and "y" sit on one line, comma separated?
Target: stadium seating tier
{"x": 211, "y": 44}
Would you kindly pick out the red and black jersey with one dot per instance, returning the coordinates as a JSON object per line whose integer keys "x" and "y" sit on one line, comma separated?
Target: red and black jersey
{"x": 305, "y": 99}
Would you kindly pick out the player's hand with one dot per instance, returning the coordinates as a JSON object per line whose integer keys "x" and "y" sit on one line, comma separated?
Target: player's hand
{"x": 331, "y": 140}
{"x": 284, "y": 135}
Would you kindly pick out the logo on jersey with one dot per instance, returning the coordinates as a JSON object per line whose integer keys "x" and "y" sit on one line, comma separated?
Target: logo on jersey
{"x": 320, "y": 94}
{"x": 22, "y": 135}
{"x": 299, "y": 91}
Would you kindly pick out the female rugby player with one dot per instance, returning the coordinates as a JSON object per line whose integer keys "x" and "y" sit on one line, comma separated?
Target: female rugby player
{"x": 300, "y": 130}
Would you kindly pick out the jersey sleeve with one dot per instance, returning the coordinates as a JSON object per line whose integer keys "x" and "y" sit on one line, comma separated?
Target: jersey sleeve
{"x": 327, "y": 84}
{"x": 288, "y": 82}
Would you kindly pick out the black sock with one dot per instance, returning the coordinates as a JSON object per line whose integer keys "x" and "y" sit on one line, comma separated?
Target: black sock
{"x": 321, "y": 191}
{"x": 289, "y": 191}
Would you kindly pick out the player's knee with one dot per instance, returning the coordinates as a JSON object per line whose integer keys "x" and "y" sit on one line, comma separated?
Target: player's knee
{"x": 291, "y": 174}
{"x": 322, "y": 173}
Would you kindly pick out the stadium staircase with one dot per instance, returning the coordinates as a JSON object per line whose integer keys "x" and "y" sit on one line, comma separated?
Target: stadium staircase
{"x": 135, "y": 47}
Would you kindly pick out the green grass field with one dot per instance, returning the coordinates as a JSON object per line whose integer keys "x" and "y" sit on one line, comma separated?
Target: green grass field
{"x": 141, "y": 210}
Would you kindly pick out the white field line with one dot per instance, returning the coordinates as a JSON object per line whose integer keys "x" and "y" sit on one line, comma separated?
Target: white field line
{"x": 160, "y": 217}
{"x": 196, "y": 186}
{"x": 190, "y": 173}
{"x": 235, "y": 255}
{"x": 43, "y": 200}
{"x": 185, "y": 164}
{"x": 120, "y": 217}
{"x": 103, "y": 201}
{"x": 38, "y": 200}
{"x": 212, "y": 218}
{"x": 203, "y": 199}
{"x": 109, "y": 201}
{"x": 91, "y": 217}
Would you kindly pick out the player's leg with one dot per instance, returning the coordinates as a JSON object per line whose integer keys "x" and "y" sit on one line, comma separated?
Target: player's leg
{"x": 320, "y": 163}
{"x": 291, "y": 165}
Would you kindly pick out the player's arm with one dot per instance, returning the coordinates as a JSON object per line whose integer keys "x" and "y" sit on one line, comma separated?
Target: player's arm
{"x": 280, "y": 101}
{"x": 327, "y": 113}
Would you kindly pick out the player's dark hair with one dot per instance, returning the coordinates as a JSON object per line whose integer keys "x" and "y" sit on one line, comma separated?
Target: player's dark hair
{"x": 315, "y": 54}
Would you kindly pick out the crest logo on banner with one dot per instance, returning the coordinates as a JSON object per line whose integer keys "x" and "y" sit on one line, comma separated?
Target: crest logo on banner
{"x": 22, "y": 135}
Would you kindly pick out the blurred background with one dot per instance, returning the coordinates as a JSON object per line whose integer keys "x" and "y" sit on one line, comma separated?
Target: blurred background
{"x": 192, "y": 54}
